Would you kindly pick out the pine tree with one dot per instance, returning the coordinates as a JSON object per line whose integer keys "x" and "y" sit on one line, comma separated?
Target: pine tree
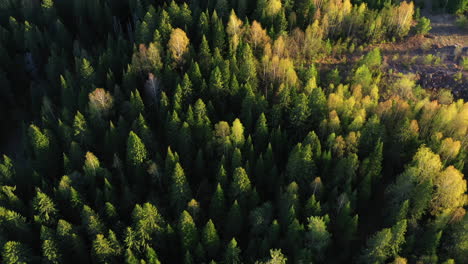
{"x": 232, "y": 253}
{"x": 44, "y": 209}
{"x": 147, "y": 222}
{"x": 276, "y": 257}
{"x": 247, "y": 67}
{"x": 347, "y": 225}
{"x": 218, "y": 205}
{"x": 240, "y": 186}
{"x": 103, "y": 249}
{"x": 218, "y": 34}
{"x": 86, "y": 71}
{"x": 236, "y": 160}
{"x": 180, "y": 189}
{"x": 233, "y": 224}
{"x": 91, "y": 169}
{"x": 164, "y": 25}
{"x": 185, "y": 144}
{"x": 15, "y": 253}
{"x": 398, "y": 237}
{"x": 7, "y": 170}
{"x": 51, "y": 252}
{"x": 91, "y": 222}
{"x": 210, "y": 239}
{"x": 377, "y": 249}
{"x": 261, "y": 133}
{"x": 371, "y": 168}
{"x": 216, "y": 83}
{"x": 143, "y": 131}
{"x": 294, "y": 237}
{"x": 187, "y": 231}
{"x": 151, "y": 256}
{"x": 143, "y": 33}
{"x": 205, "y": 56}
{"x": 136, "y": 151}
{"x": 300, "y": 112}
{"x": 193, "y": 207}
{"x": 373, "y": 59}
{"x": 203, "y": 26}
{"x": 136, "y": 104}
{"x": 312, "y": 207}
{"x": 130, "y": 257}
{"x": 39, "y": 141}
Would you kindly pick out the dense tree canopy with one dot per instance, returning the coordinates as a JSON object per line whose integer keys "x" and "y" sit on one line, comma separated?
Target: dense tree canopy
{"x": 224, "y": 132}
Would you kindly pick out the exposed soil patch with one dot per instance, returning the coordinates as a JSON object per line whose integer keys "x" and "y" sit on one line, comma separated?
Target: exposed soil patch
{"x": 444, "y": 80}
{"x": 435, "y": 59}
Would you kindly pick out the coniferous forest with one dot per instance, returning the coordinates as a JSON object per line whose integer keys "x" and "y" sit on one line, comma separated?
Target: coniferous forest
{"x": 226, "y": 131}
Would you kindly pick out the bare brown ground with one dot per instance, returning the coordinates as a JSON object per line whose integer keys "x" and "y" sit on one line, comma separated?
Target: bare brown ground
{"x": 446, "y": 42}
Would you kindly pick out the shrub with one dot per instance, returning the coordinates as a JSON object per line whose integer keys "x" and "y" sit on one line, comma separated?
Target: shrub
{"x": 464, "y": 63}
{"x": 423, "y": 27}
{"x": 462, "y": 22}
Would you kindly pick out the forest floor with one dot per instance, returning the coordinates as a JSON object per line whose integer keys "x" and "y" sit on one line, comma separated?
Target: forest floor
{"x": 435, "y": 59}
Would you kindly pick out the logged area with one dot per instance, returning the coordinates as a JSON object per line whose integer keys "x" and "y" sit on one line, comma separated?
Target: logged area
{"x": 233, "y": 131}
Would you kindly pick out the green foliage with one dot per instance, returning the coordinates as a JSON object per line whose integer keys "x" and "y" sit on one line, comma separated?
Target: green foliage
{"x": 188, "y": 231}
{"x": 276, "y": 257}
{"x": 373, "y": 59}
{"x": 464, "y": 63}
{"x": 300, "y": 111}
{"x": 15, "y": 253}
{"x": 44, "y": 207}
{"x": 210, "y": 239}
{"x": 136, "y": 151}
{"x": 300, "y": 166}
{"x": 377, "y": 247}
{"x": 247, "y": 70}
{"x": 261, "y": 132}
{"x": 218, "y": 204}
{"x": 86, "y": 70}
{"x": 103, "y": 249}
{"x": 241, "y": 185}
{"x": 424, "y": 26}
{"x": 80, "y": 128}
{"x": 237, "y": 133}
{"x": 384, "y": 244}
{"x": 51, "y": 252}
{"x": 180, "y": 190}
{"x": 231, "y": 131}
{"x": 317, "y": 235}
{"x": 462, "y": 21}
{"x": 234, "y": 220}
{"x": 136, "y": 104}
{"x": 39, "y": 141}
{"x": 232, "y": 253}
{"x": 91, "y": 222}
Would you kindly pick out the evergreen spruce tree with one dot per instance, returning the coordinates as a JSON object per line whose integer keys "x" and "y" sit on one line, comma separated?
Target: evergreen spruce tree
{"x": 210, "y": 239}
{"x": 44, "y": 208}
{"x": 232, "y": 253}
{"x": 180, "y": 189}
{"x": 187, "y": 231}
{"x": 218, "y": 205}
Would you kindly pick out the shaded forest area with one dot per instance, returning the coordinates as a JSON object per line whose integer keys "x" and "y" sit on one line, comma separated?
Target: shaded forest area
{"x": 232, "y": 131}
